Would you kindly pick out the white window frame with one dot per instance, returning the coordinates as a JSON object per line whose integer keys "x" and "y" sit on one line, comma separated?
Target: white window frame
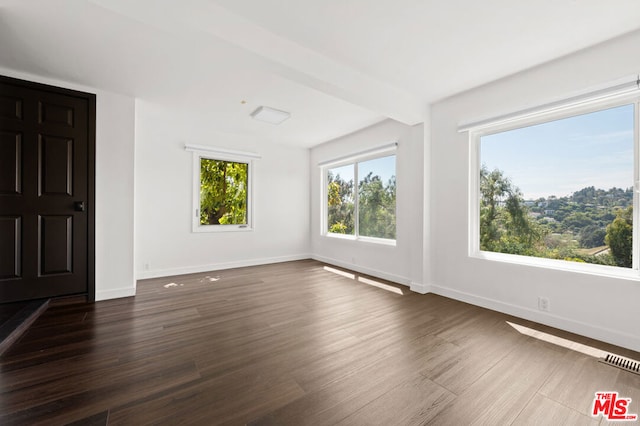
{"x": 354, "y": 159}
{"x": 200, "y": 152}
{"x": 541, "y": 117}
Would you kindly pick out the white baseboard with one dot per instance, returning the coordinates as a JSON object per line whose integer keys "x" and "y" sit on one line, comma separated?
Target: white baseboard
{"x": 115, "y": 294}
{"x": 420, "y": 288}
{"x": 608, "y": 335}
{"x": 364, "y": 270}
{"x": 141, "y": 275}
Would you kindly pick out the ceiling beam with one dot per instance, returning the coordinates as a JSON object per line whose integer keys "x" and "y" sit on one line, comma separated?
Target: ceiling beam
{"x": 275, "y": 54}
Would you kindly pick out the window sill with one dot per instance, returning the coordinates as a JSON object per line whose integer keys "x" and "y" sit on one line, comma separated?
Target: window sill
{"x": 370, "y": 240}
{"x": 560, "y": 265}
{"x": 198, "y": 229}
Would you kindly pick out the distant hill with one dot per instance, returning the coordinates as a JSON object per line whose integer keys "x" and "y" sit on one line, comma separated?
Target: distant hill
{"x": 585, "y": 213}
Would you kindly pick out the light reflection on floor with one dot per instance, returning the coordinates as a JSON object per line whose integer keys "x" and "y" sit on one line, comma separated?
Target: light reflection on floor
{"x": 206, "y": 279}
{"x": 559, "y": 341}
{"x": 365, "y": 280}
{"x": 172, "y": 285}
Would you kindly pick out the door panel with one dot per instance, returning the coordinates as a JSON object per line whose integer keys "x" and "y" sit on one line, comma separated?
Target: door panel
{"x": 55, "y": 114}
{"x": 56, "y": 245}
{"x": 10, "y": 162}
{"x": 10, "y": 230}
{"x": 46, "y": 166}
{"x": 55, "y": 165}
{"x": 10, "y": 107}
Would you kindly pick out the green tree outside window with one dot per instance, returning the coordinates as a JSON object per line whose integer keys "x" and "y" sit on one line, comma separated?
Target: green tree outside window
{"x": 375, "y": 208}
{"x": 223, "y": 192}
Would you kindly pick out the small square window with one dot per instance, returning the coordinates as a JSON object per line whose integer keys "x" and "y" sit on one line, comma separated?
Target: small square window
{"x": 222, "y": 194}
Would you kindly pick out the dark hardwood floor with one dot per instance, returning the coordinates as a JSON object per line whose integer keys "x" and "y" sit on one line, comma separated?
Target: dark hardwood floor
{"x": 294, "y": 344}
{"x": 16, "y": 318}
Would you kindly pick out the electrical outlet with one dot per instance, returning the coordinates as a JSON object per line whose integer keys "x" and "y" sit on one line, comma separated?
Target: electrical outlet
{"x": 543, "y": 303}
{"x": 146, "y": 266}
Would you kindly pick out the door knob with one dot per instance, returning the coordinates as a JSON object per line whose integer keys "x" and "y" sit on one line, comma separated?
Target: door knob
{"x": 79, "y": 206}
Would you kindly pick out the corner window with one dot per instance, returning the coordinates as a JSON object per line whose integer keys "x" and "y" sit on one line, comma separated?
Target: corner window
{"x": 222, "y": 193}
{"x": 560, "y": 188}
{"x": 360, "y": 199}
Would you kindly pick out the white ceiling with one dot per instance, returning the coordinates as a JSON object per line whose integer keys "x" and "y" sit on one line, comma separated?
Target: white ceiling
{"x": 336, "y": 65}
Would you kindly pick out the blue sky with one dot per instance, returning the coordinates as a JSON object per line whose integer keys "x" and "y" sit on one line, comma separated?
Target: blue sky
{"x": 564, "y": 156}
{"x": 385, "y": 167}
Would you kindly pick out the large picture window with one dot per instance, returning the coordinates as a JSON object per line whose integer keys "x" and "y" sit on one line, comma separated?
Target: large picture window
{"x": 361, "y": 198}
{"x": 560, "y": 188}
{"x": 222, "y": 193}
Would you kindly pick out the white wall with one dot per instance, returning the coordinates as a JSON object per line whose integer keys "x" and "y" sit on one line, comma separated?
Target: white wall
{"x": 165, "y": 243}
{"x": 402, "y": 263}
{"x": 599, "y": 307}
{"x": 114, "y": 187}
{"x": 115, "y": 143}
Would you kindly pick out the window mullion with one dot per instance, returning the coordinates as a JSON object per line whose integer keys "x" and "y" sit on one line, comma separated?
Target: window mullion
{"x": 635, "y": 256}
{"x": 356, "y": 207}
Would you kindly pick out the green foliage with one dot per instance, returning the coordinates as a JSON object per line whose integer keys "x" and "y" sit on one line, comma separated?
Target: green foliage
{"x": 575, "y": 221}
{"x": 334, "y": 193}
{"x": 340, "y": 205}
{"x": 505, "y": 226}
{"x": 338, "y": 228}
{"x": 574, "y": 228}
{"x": 619, "y": 237}
{"x": 592, "y": 236}
{"x": 377, "y": 207}
{"x": 223, "y": 192}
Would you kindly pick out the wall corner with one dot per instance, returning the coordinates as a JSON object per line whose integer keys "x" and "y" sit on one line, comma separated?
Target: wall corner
{"x": 420, "y": 288}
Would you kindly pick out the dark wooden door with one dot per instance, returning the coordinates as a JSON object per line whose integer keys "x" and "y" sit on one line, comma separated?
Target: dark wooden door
{"x": 47, "y": 140}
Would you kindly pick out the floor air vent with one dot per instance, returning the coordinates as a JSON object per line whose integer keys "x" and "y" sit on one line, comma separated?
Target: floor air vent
{"x": 622, "y": 363}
